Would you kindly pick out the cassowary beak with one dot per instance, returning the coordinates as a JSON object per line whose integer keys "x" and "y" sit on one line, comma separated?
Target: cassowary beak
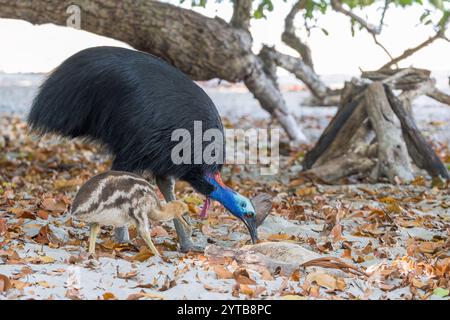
{"x": 250, "y": 223}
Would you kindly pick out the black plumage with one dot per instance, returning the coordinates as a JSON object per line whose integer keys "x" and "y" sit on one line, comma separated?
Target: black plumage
{"x": 131, "y": 102}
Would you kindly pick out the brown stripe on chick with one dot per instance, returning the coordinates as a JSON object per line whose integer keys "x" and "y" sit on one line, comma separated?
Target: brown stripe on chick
{"x": 111, "y": 182}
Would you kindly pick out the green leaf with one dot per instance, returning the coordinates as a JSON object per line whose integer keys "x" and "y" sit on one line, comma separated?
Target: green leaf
{"x": 441, "y": 292}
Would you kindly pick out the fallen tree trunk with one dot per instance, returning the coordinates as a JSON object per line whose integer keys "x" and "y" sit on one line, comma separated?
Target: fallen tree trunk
{"x": 420, "y": 151}
{"x": 203, "y": 48}
{"x": 348, "y": 145}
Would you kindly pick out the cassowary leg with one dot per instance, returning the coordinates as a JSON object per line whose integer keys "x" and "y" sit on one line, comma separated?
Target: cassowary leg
{"x": 121, "y": 235}
{"x": 166, "y": 186}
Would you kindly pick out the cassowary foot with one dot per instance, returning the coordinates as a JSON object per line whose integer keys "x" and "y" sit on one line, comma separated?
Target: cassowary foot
{"x": 191, "y": 247}
{"x": 121, "y": 235}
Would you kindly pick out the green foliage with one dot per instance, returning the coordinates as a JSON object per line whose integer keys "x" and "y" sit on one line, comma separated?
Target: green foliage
{"x": 313, "y": 8}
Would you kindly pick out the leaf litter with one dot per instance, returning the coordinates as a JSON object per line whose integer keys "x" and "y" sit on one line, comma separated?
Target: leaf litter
{"x": 350, "y": 241}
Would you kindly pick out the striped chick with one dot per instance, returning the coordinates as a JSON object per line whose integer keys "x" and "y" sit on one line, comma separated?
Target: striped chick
{"x": 119, "y": 198}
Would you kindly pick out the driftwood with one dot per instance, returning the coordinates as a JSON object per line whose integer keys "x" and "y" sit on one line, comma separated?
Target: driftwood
{"x": 420, "y": 151}
{"x": 337, "y": 124}
{"x": 393, "y": 158}
{"x": 373, "y": 133}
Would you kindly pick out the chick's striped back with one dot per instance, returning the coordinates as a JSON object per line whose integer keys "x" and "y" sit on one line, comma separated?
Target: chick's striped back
{"x": 113, "y": 190}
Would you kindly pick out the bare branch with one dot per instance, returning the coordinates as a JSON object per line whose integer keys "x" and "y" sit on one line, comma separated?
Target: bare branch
{"x": 301, "y": 70}
{"x": 337, "y": 6}
{"x": 290, "y": 38}
{"x": 383, "y": 15}
{"x": 378, "y": 43}
{"x": 241, "y": 14}
{"x": 440, "y": 34}
{"x": 411, "y": 51}
{"x": 440, "y": 96}
{"x": 373, "y": 30}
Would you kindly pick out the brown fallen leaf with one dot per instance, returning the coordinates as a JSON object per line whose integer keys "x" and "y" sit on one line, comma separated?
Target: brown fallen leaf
{"x": 140, "y": 295}
{"x": 75, "y": 259}
{"x": 326, "y": 280}
{"x": 109, "y": 296}
{"x": 159, "y": 231}
{"x": 143, "y": 254}
{"x": 45, "y": 235}
{"x": 336, "y": 232}
{"x": 279, "y": 237}
{"x": 293, "y": 297}
{"x": 214, "y": 289}
{"x": 246, "y": 289}
{"x": 40, "y": 260}
{"x": 222, "y": 272}
{"x": 429, "y": 247}
{"x": 306, "y": 191}
{"x": 53, "y": 205}
{"x": 242, "y": 277}
{"x": 3, "y": 226}
{"x": 168, "y": 284}
{"x": 127, "y": 275}
{"x": 25, "y": 271}
{"x": 23, "y": 213}
{"x": 73, "y": 294}
{"x": 62, "y": 184}
{"x": 42, "y": 214}
{"x": 5, "y": 283}
{"x": 19, "y": 285}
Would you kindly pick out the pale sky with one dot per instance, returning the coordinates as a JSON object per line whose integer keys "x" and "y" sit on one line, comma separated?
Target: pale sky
{"x": 28, "y": 48}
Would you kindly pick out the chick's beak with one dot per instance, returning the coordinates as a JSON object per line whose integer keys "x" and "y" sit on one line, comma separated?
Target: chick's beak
{"x": 250, "y": 223}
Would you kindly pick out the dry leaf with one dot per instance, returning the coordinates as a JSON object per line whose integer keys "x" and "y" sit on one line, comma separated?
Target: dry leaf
{"x": 279, "y": 237}
{"x": 242, "y": 277}
{"x": 127, "y": 275}
{"x": 51, "y": 204}
{"x": 246, "y": 289}
{"x": 140, "y": 295}
{"x": 336, "y": 232}
{"x": 143, "y": 254}
{"x": 326, "y": 280}
{"x": 73, "y": 294}
{"x": 109, "y": 296}
{"x": 3, "y": 226}
{"x": 5, "y": 283}
{"x": 159, "y": 231}
{"x": 222, "y": 272}
{"x": 293, "y": 297}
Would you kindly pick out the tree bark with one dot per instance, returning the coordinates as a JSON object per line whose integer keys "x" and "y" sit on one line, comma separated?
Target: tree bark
{"x": 301, "y": 70}
{"x": 202, "y": 47}
{"x": 290, "y": 38}
{"x": 393, "y": 158}
{"x": 420, "y": 151}
{"x": 338, "y": 132}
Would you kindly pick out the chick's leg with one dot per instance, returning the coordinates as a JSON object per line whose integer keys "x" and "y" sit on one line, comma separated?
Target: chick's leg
{"x": 166, "y": 186}
{"x": 144, "y": 232}
{"x": 95, "y": 228}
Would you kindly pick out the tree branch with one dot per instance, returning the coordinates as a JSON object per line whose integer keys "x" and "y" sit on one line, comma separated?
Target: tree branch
{"x": 440, "y": 34}
{"x": 438, "y": 95}
{"x": 337, "y": 6}
{"x": 290, "y": 38}
{"x": 301, "y": 70}
{"x": 241, "y": 14}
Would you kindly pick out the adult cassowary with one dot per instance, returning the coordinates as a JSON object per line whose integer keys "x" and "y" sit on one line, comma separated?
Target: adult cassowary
{"x": 131, "y": 102}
